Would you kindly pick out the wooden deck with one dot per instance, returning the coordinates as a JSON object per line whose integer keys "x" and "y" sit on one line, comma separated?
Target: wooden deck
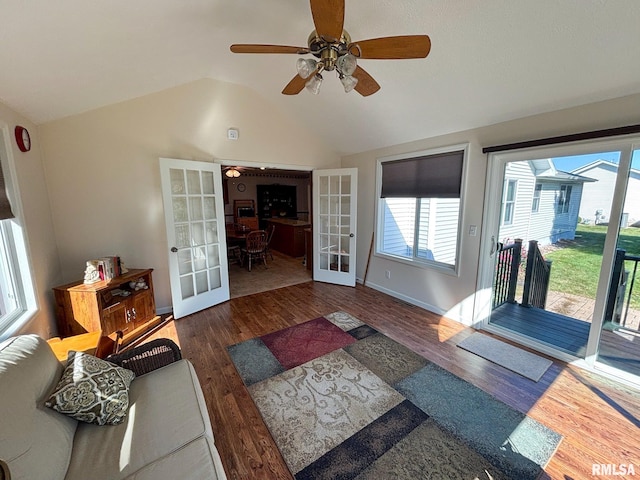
{"x": 617, "y": 349}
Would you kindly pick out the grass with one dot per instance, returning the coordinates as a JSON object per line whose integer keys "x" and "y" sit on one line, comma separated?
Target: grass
{"x": 576, "y": 264}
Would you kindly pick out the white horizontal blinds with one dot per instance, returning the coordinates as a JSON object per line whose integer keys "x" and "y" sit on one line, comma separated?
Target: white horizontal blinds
{"x": 430, "y": 176}
{"x": 5, "y": 206}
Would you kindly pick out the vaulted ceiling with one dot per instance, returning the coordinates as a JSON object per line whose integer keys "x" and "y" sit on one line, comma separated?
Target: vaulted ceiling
{"x": 490, "y": 61}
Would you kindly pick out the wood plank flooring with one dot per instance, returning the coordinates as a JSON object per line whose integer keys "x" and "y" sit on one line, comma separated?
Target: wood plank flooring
{"x": 600, "y": 420}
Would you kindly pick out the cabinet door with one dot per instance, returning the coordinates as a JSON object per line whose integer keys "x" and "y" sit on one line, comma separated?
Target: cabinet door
{"x": 114, "y": 318}
{"x": 143, "y": 307}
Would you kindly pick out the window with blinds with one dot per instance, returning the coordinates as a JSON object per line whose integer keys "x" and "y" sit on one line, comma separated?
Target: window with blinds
{"x": 419, "y": 207}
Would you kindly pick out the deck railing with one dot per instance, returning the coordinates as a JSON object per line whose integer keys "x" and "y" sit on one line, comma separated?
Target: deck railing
{"x": 622, "y": 283}
{"x": 506, "y": 279}
{"x": 536, "y": 279}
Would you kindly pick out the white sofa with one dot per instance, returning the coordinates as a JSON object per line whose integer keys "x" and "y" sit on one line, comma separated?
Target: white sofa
{"x": 166, "y": 434}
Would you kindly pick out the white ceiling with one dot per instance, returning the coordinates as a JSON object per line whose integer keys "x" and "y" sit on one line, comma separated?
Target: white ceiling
{"x": 491, "y": 60}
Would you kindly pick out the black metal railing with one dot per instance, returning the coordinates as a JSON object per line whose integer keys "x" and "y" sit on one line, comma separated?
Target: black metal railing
{"x": 506, "y": 278}
{"x": 622, "y": 283}
{"x": 536, "y": 278}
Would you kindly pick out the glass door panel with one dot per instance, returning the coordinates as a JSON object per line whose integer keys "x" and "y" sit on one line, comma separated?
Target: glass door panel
{"x": 197, "y": 258}
{"x": 553, "y": 222}
{"x": 334, "y": 225}
{"x": 619, "y": 342}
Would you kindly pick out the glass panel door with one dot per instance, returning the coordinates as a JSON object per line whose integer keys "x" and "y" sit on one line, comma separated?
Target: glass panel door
{"x": 619, "y": 342}
{"x": 561, "y": 242}
{"x": 334, "y": 226}
{"x": 192, "y": 193}
{"x": 550, "y": 248}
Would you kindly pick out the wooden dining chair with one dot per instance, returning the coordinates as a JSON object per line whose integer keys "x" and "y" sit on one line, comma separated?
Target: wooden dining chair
{"x": 271, "y": 228}
{"x": 255, "y": 248}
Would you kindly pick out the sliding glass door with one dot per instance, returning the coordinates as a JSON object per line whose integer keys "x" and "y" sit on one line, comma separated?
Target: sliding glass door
{"x": 618, "y": 339}
{"x": 561, "y": 241}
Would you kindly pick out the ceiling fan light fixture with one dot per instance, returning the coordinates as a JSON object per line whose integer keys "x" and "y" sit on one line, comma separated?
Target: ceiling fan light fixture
{"x": 306, "y": 67}
{"x": 347, "y": 64}
{"x": 313, "y": 85}
{"x": 232, "y": 173}
{"x": 348, "y": 82}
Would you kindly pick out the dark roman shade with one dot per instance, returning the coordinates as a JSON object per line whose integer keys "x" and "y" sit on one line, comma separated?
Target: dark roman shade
{"x": 5, "y": 206}
{"x": 430, "y": 176}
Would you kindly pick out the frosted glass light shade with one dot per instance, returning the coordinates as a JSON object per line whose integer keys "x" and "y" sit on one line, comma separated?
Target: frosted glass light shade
{"x": 313, "y": 85}
{"x": 349, "y": 83}
{"x": 306, "y": 67}
{"x": 232, "y": 173}
{"x": 347, "y": 64}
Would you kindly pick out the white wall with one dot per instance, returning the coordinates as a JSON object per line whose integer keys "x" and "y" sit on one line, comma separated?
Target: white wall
{"x": 40, "y": 236}
{"x": 103, "y": 174}
{"x": 436, "y": 290}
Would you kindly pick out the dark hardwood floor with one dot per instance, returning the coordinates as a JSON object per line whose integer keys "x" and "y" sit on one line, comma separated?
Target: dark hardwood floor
{"x": 600, "y": 420}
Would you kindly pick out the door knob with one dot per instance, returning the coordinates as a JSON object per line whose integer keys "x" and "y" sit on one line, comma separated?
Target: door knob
{"x": 174, "y": 249}
{"x": 351, "y": 235}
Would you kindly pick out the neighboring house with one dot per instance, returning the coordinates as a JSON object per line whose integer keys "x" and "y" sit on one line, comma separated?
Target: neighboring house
{"x": 596, "y": 203}
{"x": 539, "y": 202}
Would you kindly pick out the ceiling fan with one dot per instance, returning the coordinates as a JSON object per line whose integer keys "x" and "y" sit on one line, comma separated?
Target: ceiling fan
{"x": 335, "y": 50}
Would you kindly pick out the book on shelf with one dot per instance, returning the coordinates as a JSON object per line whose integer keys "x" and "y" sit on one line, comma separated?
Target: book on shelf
{"x": 110, "y": 267}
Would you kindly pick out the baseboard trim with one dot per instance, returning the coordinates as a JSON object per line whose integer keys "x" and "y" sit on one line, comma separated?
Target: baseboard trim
{"x": 408, "y": 299}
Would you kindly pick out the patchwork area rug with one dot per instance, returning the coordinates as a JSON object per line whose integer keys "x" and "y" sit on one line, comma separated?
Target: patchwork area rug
{"x": 517, "y": 360}
{"x": 342, "y": 400}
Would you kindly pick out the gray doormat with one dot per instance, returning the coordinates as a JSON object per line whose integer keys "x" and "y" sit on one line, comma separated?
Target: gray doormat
{"x": 513, "y": 358}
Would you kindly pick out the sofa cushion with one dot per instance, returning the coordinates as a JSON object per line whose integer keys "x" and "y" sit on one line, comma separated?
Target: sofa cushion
{"x": 167, "y": 411}
{"x": 92, "y": 390}
{"x": 199, "y": 460}
{"x": 35, "y": 441}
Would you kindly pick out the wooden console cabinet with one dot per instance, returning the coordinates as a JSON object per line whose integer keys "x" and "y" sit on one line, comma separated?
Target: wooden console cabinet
{"x": 84, "y": 308}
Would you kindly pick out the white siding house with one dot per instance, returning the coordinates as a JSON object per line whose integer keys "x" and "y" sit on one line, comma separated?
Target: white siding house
{"x": 597, "y": 196}
{"x": 539, "y": 202}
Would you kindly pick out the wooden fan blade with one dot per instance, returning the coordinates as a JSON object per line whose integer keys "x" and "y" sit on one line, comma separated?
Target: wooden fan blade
{"x": 297, "y": 83}
{"x": 366, "y": 84}
{"x": 328, "y": 18}
{"x": 295, "y": 86}
{"x": 253, "y": 48}
{"x": 390, "y": 48}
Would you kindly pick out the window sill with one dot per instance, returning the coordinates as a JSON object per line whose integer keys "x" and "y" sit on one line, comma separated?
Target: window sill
{"x": 423, "y": 264}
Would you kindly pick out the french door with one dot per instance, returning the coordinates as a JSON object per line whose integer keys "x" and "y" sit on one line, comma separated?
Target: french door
{"x": 574, "y": 201}
{"x": 194, "y": 217}
{"x": 334, "y": 225}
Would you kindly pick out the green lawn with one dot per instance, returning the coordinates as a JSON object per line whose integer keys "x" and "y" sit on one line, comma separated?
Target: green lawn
{"x": 576, "y": 265}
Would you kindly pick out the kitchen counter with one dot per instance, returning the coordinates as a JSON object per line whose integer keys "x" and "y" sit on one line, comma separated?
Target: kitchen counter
{"x": 288, "y": 237}
{"x": 289, "y": 221}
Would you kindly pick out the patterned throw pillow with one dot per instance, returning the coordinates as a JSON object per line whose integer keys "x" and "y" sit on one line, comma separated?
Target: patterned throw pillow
{"x": 92, "y": 390}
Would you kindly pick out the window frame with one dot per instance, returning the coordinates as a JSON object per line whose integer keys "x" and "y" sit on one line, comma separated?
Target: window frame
{"x": 512, "y": 203}
{"x": 379, "y": 212}
{"x": 537, "y": 194}
{"x": 15, "y": 237}
{"x": 564, "y": 200}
